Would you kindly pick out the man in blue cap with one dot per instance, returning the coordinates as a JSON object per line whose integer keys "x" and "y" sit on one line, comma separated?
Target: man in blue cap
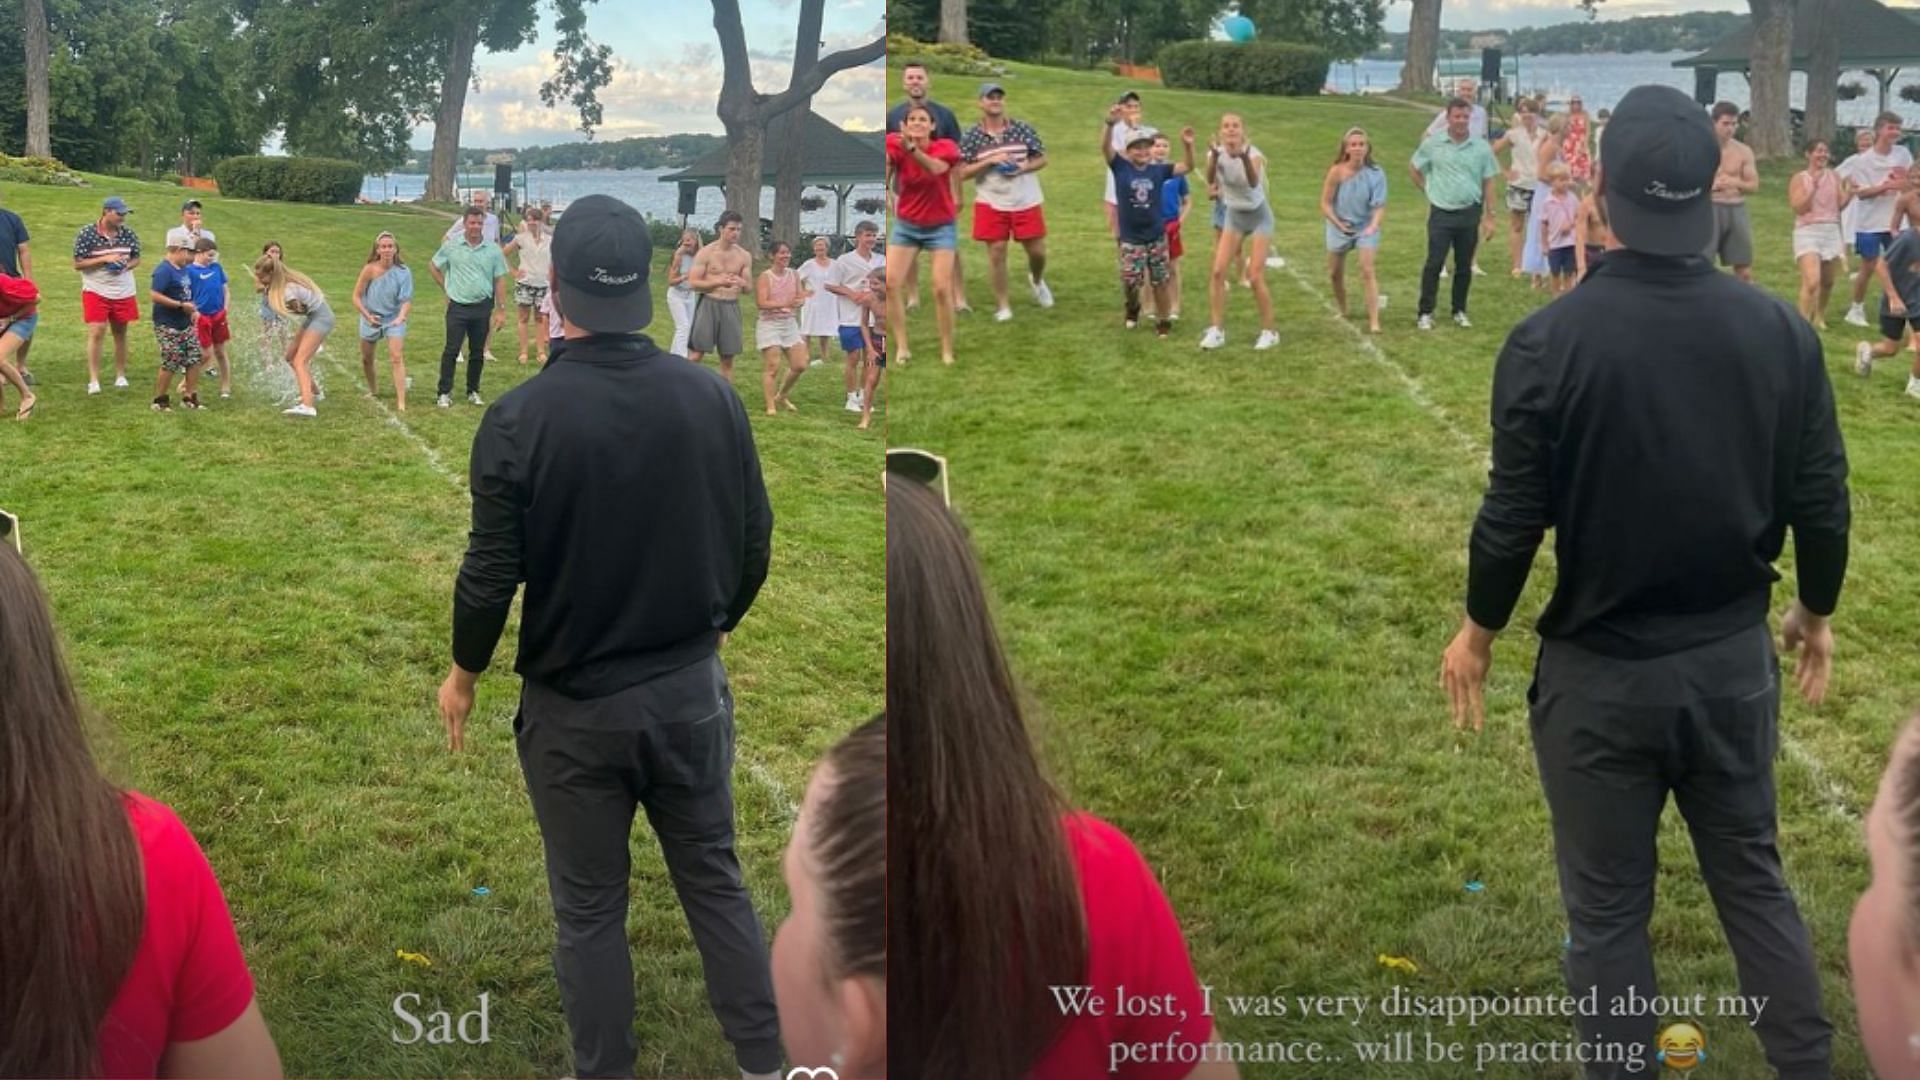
{"x": 623, "y": 487}
{"x": 106, "y": 253}
{"x": 1670, "y": 424}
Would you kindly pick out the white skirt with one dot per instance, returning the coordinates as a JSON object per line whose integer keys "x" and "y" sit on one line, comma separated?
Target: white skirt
{"x": 778, "y": 333}
{"x": 1822, "y": 240}
{"x": 820, "y": 315}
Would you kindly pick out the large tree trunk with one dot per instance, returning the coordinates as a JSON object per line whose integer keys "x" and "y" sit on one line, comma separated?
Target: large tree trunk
{"x": 1423, "y": 47}
{"x": 789, "y": 184}
{"x": 39, "y": 53}
{"x": 1823, "y": 76}
{"x": 453, "y": 104}
{"x": 1770, "y": 128}
{"x": 744, "y": 112}
{"x": 953, "y": 22}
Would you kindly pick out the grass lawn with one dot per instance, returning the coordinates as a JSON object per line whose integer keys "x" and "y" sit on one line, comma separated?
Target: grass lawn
{"x": 257, "y": 609}
{"x": 1227, "y": 578}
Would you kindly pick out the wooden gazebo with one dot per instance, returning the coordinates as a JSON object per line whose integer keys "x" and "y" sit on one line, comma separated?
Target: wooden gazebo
{"x": 1874, "y": 38}
{"x": 832, "y": 158}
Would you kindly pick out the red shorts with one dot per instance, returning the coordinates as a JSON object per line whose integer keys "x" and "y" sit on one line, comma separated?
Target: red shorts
{"x": 1175, "y": 248}
{"x": 95, "y": 308}
{"x": 212, "y": 330}
{"x": 992, "y": 226}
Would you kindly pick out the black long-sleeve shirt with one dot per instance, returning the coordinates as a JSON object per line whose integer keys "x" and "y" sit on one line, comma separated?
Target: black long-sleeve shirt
{"x": 621, "y": 484}
{"x": 1670, "y": 424}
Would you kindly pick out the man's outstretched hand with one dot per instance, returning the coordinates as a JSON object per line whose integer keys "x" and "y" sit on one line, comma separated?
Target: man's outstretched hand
{"x": 456, "y": 704}
{"x": 1463, "y": 673}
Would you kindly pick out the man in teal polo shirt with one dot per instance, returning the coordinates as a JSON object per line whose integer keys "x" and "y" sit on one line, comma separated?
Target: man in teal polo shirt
{"x": 474, "y": 273}
{"x": 1456, "y": 170}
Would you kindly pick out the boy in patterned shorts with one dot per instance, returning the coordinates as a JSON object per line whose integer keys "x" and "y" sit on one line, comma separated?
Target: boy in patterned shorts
{"x": 1139, "y": 184}
{"x": 173, "y": 324}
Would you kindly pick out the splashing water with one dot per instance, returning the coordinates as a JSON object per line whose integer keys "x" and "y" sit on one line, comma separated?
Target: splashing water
{"x": 268, "y": 338}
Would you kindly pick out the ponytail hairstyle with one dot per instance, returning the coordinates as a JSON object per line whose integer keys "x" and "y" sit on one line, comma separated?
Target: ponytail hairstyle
{"x": 74, "y": 901}
{"x": 984, "y": 907}
{"x": 273, "y": 277}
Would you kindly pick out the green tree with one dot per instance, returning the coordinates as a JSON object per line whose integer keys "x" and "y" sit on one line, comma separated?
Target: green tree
{"x": 1344, "y": 28}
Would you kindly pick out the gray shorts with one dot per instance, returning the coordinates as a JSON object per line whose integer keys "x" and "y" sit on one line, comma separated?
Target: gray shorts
{"x": 1732, "y": 235}
{"x": 716, "y": 327}
{"x": 318, "y": 321}
{"x": 1251, "y": 222}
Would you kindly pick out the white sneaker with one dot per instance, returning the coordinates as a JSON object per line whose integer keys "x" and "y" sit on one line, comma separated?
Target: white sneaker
{"x": 93, "y": 388}
{"x": 1041, "y": 294}
{"x": 120, "y": 382}
{"x": 1383, "y": 301}
{"x": 1863, "y": 359}
{"x": 1425, "y": 323}
{"x": 1275, "y": 262}
{"x": 1213, "y": 338}
{"x": 445, "y": 401}
{"x": 473, "y": 398}
{"x": 1003, "y": 315}
{"x": 1460, "y": 319}
{"x": 815, "y": 362}
{"x": 853, "y": 402}
{"x": 409, "y": 382}
{"x": 1857, "y": 315}
{"x": 1477, "y": 272}
{"x": 1445, "y": 273}
{"x": 300, "y": 410}
{"x": 1267, "y": 340}
{"x": 1913, "y": 387}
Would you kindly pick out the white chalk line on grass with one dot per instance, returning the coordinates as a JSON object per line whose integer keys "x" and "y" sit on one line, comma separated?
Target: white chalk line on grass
{"x": 1833, "y": 798}
{"x": 782, "y": 800}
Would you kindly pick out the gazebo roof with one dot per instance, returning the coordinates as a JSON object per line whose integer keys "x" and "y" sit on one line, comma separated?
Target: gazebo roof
{"x": 831, "y": 157}
{"x": 1872, "y": 35}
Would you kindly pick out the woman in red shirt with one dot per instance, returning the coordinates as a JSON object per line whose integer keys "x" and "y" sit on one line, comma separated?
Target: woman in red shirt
{"x": 924, "y": 213}
{"x": 998, "y": 892}
{"x": 119, "y": 954}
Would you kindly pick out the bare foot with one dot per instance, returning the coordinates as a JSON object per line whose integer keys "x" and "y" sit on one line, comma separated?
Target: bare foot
{"x": 788, "y": 402}
{"x": 946, "y": 358}
{"x": 523, "y": 358}
{"x": 26, "y": 407}
{"x": 862, "y": 425}
{"x": 1373, "y": 328}
{"x": 773, "y": 411}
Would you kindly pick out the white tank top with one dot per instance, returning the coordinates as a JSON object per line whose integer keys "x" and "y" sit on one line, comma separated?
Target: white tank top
{"x": 1526, "y": 162}
{"x": 1235, "y": 192}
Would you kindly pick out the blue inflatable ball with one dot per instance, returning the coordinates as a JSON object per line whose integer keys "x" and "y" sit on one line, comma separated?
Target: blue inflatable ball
{"x": 1238, "y": 28}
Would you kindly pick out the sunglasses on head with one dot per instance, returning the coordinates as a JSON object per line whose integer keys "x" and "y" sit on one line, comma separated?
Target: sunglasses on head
{"x": 921, "y": 467}
{"x": 10, "y": 530}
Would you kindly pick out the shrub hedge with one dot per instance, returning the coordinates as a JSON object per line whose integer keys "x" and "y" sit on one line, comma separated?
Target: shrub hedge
{"x": 939, "y": 59}
{"x": 38, "y": 170}
{"x": 1254, "y": 67}
{"x": 289, "y": 179}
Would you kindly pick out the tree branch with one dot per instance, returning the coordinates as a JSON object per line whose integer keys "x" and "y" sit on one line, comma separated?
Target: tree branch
{"x": 809, "y": 84}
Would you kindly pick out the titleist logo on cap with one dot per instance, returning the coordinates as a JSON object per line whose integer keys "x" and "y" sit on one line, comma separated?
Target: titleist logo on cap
{"x": 600, "y": 275}
{"x": 1659, "y": 190}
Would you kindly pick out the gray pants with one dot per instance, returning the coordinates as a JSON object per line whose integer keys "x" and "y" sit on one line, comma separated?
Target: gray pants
{"x": 665, "y": 745}
{"x": 1613, "y": 738}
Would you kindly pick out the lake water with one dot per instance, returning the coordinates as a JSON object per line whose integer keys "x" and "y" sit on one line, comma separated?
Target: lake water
{"x": 638, "y": 188}
{"x": 1602, "y": 79}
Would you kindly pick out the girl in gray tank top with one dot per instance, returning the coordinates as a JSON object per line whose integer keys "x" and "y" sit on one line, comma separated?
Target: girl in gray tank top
{"x": 1239, "y": 170}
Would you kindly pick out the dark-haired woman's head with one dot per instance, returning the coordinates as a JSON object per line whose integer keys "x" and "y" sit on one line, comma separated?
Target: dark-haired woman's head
{"x": 69, "y": 869}
{"x": 829, "y": 957}
{"x": 1884, "y": 939}
{"x": 984, "y": 907}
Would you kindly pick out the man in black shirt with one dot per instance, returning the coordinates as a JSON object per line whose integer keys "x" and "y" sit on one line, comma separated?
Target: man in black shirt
{"x": 1670, "y": 424}
{"x": 622, "y": 486}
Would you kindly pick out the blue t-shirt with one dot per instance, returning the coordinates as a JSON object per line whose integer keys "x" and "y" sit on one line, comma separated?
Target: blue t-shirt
{"x": 209, "y": 287}
{"x": 1172, "y": 196}
{"x": 1138, "y": 189}
{"x": 13, "y": 233}
{"x": 172, "y": 281}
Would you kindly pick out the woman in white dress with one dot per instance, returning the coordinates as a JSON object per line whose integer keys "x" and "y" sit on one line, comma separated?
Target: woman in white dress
{"x": 680, "y": 295}
{"x": 534, "y": 244}
{"x": 820, "y": 318}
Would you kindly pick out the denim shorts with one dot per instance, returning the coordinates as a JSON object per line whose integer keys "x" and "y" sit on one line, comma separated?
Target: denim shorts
{"x": 23, "y": 328}
{"x": 387, "y": 329}
{"x": 930, "y": 237}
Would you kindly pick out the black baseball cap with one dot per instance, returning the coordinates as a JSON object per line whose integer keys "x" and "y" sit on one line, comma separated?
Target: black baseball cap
{"x": 600, "y": 254}
{"x": 1660, "y": 155}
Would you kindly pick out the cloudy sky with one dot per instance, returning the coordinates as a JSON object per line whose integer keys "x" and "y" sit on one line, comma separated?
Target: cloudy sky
{"x": 1513, "y": 14}
{"x": 667, "y": 73}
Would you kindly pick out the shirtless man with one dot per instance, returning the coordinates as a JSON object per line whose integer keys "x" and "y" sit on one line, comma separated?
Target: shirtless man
{"x": 720, "y": 271}
{"x": 1737, "y": 179}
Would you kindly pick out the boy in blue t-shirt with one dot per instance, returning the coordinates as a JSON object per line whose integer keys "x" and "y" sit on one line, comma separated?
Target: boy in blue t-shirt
{"x": 210, "y": 296}
{"x": 1177, "y": 199}
{"x": 1139, "y": 185}
{"x": 173, "y": 315}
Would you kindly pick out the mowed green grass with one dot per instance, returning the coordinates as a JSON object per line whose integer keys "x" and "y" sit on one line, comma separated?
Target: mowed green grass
{"x": 258, "y": 610}
{"x": 1227, "y": 578}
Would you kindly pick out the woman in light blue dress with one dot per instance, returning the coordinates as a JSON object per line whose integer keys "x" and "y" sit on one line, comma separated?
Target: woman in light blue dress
{"x": 1353, "y": 200}
{"x": 384, "y": 296}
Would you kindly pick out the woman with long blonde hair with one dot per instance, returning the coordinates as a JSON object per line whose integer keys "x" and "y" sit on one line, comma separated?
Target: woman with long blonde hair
{"x": 291, "y": 295}
{"x": 1353, "y": 200}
